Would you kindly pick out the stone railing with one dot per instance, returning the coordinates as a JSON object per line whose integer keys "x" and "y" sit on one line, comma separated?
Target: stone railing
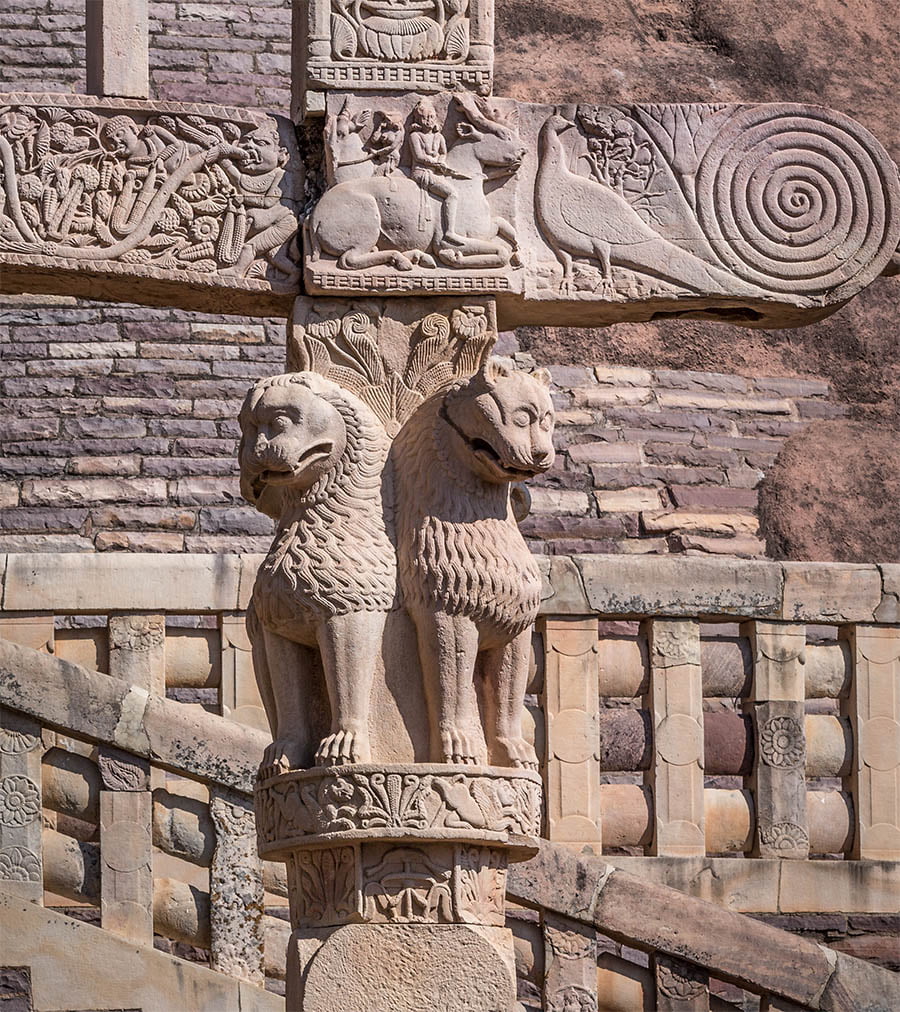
{"x": 689, "y": 712}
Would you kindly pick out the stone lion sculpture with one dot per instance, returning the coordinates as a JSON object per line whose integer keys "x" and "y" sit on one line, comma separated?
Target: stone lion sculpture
{"x": 312, "y": 456}
{"x": 466, "y": 576}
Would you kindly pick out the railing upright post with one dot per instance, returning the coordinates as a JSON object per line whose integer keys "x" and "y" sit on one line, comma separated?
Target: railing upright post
{"x": 117, "y": 37}
{"x": 873, "y": 708}
{"x": 675, "y": 701}
{"x": 778, "y": 780}
{"x": 239, "y": 696}
{"x": 571, "y": 701}
{"x": 21, "y": 870}
{"x": 680, "y": 986}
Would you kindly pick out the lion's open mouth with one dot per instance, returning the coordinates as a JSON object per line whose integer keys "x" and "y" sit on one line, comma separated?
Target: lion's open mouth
{"x": 483, "y": 450}
{"x": 285, "y": 475}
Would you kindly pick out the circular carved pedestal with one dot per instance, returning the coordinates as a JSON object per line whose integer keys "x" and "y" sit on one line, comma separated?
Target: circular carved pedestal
{"x": 409, "y": 859}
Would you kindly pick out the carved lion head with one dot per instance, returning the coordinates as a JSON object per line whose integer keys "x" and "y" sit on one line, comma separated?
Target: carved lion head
{"x": 292, "y": 435}
{"x": 502, "y": 422}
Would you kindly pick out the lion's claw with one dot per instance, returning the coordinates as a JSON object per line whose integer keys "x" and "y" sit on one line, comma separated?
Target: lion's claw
{"x": 517, "y": 753}
{"x": 342, "y": 747}
{"x": 461, "y": 748}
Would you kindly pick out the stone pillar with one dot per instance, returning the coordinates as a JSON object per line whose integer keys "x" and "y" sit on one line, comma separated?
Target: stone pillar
{"x": 239, "y": 694}
{"x": 680, "y": 986}
{"x": 137, "y": 651}
{"x": 21, "y": 869}
{"x": 873, "y": 708}
{"x": 570, "y": 965}
{"x": 236, "y": 890}
{"x": 397, "y": 882}
{"x": 126, "y": 846}
{"x": 778, "y": 781}
{"x": 675, "y": 701}
{"x": 117, "y": 37}
{"x": 571, "y": 706}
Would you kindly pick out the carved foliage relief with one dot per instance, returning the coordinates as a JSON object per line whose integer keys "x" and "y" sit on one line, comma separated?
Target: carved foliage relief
{"x": 344, "y": 347}
{"x": 195, "y": 193}
{"x": 376, "y": 803}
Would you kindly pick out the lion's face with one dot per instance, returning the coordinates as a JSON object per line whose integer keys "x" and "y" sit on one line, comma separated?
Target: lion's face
{"x": 291, "y": 437}
{"x": 502, "y": 422}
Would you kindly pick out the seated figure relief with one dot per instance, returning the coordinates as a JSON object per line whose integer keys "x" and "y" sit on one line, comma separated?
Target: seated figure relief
{"x": 401, "y": 195}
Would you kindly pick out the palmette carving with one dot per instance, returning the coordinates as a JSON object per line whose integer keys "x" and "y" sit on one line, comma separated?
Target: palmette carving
{"x": 170, "y": 191}
{"x": 345, "y": 350}
{"x": 467, "y": 579}
{"x": 405, "y": 885}
{"x": 377, "y": 803}
{"x": 480, "y": 885}
{"x": 18, "y": 864}
{"x": 323, "y": 884}
{"x": 312, "y": 456}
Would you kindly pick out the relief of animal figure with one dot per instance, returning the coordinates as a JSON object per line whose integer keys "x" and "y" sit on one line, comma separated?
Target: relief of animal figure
{"x": 466, "y": 576}
{"x": 581, "y": 217}
{"x": 312, "y": 456}
{"x": 402, "y": 221}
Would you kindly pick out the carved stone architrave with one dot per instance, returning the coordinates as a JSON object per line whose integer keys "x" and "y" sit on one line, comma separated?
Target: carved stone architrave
{"x": 21, "y": 748}
{"x": 198, "y": 202}
{"x": 391, "y": 354}
{"x": 763, "y": 215}
{"x": 386, "y": 46}
{"x": 236, "y": 890}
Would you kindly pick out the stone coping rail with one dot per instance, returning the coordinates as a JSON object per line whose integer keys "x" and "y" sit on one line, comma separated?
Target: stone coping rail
{"x": 103, "y": 709}
{"x": 612, "y": 585}
{"x": 650, "y": 917}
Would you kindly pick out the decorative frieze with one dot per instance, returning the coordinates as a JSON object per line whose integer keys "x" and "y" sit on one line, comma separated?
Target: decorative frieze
{"x": 199, "y": 202}
{"x": 757, "y": 214}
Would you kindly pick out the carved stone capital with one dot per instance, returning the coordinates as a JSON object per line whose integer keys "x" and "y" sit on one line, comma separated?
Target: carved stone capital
{"x": 415, "y": 802}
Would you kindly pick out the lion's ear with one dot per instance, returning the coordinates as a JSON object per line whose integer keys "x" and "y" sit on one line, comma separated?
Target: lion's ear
{"x": 542, "y": 376}
{"x": 495, "y": 368}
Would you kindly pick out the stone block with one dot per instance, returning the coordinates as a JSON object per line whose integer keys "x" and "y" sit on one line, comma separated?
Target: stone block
{"x": 699, "y": 519}
{"x": 623, "y": 375}
{"x": 846, "y": 886}
{"x": 830, "y": 592}
{"x": 627, "y": 500}
{"x": 613, "y": 452}
{"x": 679, "y": 586}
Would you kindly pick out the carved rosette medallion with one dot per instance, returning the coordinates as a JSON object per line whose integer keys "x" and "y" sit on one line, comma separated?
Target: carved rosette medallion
{"x": 782, "y": 743}
{"x": 20, "y": 801}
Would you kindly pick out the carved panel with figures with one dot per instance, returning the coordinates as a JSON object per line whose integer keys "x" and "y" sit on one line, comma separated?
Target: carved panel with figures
{"x": 392, "y": 45}
{"x": 184, "y": 197}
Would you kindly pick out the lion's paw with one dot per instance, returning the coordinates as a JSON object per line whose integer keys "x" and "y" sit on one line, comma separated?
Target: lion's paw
{"x": 460, "y": 747}
{"x": 279, "y": 757}
{"x": 515, "y": 752}
{"x": 342, "y": 747}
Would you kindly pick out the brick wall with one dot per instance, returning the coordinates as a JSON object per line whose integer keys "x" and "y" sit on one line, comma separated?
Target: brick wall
{"x": 230, "y": 53}
{"x": 118, "y": 424}
{"x": 118, "y": 430}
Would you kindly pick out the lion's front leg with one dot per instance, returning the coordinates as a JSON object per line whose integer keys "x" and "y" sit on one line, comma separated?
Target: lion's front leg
{"x": 448, "y": 649}
{"x": 350, "y": 646}
{"x": 506, "y": 678}
{"x": 284, "y": 673}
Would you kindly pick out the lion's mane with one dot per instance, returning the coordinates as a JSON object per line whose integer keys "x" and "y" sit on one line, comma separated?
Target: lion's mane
{"x": 331, "y": 554}
{"x": 457, "y": 548}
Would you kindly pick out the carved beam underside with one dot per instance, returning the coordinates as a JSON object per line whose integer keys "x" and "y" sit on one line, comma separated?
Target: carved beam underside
{"x": 760, "y": 215}
{"x": 160, "y": 203}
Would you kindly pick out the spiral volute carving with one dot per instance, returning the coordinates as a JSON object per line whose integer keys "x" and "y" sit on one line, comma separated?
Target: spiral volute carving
{"x": 799, "y": 200}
